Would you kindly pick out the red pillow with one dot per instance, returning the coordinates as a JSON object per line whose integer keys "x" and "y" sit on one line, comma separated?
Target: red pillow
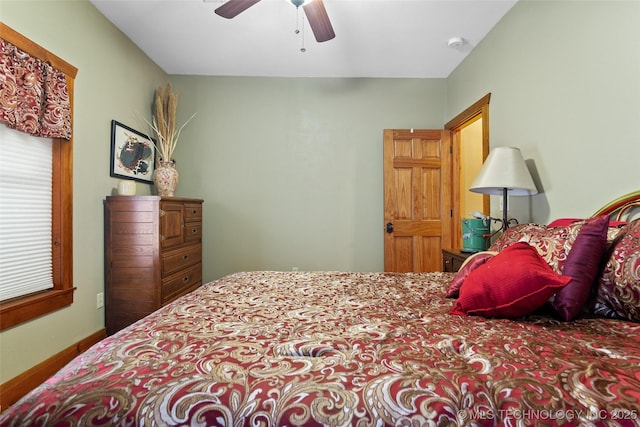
{"x": 512, "y": 284}
{"x": 563, "y": 222}
{"x": 474, "y": 261}
{"x": 582, "y": 265}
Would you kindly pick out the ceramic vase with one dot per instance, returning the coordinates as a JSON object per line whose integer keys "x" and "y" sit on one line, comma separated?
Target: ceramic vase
{"x": 165, "y": 178}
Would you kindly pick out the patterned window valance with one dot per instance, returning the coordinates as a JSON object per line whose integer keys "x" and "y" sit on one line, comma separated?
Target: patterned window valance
{"x": 34, "y": 96}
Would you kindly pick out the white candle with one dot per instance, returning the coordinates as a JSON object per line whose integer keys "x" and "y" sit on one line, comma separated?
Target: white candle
{"x": 127, "y": 187}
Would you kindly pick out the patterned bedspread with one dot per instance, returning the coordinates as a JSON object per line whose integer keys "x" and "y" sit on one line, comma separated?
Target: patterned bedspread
{"x": 343, "y": 349}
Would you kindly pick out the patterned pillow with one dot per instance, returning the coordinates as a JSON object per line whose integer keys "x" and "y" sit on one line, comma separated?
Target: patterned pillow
{"x": 596, "y": 305}
{"x": 619, "y": 288}
{"x": 614, "y": 234}
{"x": 518, "y": 233}
{"x": 553, "y": 244}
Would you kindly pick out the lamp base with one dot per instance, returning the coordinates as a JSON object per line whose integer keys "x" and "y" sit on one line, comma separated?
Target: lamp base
{"x": 505, "y": 221}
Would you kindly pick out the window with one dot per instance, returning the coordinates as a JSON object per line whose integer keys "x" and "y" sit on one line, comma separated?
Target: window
{"x": 24, "y": 308}
{"x": 25, "y": 214}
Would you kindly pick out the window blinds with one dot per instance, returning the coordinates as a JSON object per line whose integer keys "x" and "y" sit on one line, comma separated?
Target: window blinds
{"x": 25, "y": 213}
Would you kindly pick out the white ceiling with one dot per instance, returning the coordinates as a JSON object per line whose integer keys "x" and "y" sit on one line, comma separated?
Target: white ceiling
{"x": 374, "y": 38}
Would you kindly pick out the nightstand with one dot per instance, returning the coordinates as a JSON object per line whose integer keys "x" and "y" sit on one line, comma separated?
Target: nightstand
{"x": 452, "y": 259}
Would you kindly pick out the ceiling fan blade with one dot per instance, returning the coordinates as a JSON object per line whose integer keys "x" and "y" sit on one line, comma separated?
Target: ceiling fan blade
{"x": 234, "y": 7}
{"x": 319, "y": 20}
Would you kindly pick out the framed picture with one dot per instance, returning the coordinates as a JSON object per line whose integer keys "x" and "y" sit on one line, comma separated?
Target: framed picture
{"x": 133, "y": 154}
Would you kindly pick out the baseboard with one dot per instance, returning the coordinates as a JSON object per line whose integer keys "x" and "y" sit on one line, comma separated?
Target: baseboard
{"x": 15, "y": 388}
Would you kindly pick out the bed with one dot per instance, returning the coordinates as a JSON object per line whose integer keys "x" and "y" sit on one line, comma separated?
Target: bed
{"x": 378, "y": 349}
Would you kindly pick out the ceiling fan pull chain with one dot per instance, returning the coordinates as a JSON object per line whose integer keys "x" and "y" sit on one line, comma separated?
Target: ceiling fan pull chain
{"x": 300, "y": 23}
{"x": 297, "y": 31}
{"x": 302, "y": 49}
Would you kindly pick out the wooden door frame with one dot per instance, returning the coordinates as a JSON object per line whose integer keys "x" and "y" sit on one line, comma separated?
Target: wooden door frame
{"x": 479, "y": 109}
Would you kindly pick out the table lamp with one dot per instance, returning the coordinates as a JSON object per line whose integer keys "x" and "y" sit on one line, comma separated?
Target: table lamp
{"x": 505, "y": 173}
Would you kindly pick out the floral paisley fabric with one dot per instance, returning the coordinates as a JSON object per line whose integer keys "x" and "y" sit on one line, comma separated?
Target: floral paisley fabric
{"x": 343, "y": 349}
{"x": 34, "y": 97}
{"x": 619, "y": 288}
{"x": 553, "y": 244}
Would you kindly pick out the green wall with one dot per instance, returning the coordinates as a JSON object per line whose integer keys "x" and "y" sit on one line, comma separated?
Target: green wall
{"x": 565, "y": 84}
{"x": 291, "y": 169}
{"x": 115, "y": 81}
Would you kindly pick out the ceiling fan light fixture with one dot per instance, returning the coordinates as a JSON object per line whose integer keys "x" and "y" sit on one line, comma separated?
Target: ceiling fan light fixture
{"x": 314, "y": 10}
{"x": 298, "y": 3}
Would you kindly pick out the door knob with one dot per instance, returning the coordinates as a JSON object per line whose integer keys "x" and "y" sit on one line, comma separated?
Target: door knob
{"x": 389, "y": 227}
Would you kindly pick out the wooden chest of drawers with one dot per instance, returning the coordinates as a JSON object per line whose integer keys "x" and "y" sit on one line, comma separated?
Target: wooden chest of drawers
{"x": 153, "y": 254}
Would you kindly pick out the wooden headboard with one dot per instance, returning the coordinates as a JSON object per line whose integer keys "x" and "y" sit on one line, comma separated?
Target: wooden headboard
{"x": 624, "y": 208}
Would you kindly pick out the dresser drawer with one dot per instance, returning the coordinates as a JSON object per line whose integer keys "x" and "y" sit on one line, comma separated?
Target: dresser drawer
{"x": 178, "y": 259}
{"x": 181, "y": 283}
{"x": 192, "y": 231}
{"x": 192, "y": 212}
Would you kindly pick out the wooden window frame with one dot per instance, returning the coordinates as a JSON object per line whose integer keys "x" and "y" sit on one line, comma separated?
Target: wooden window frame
{"x": 22, "y": 309}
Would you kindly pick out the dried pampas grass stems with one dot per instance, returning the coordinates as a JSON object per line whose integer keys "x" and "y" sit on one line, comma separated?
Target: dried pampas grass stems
{"x": 164, "y": 122}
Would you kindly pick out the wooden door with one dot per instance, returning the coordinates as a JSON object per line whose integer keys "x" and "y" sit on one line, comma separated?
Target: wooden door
{"x": 417, "y": 198}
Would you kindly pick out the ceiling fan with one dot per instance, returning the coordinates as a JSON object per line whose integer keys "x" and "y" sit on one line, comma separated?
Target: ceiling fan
{"x": 314, "y": 9}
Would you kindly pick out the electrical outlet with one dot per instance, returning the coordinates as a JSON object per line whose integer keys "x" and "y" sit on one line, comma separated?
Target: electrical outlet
{"x": 100, "y": 300}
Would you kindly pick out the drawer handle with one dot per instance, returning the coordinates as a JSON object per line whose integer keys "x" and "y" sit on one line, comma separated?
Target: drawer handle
{"x": 185, "y": 257}
{"x": 185, "y": 279}
{"x": 194, "y": 231}
{"x": 195, "y": 211}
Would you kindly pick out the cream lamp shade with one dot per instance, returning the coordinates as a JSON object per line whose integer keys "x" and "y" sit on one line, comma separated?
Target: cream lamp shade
{"x": 504, "y": 173}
